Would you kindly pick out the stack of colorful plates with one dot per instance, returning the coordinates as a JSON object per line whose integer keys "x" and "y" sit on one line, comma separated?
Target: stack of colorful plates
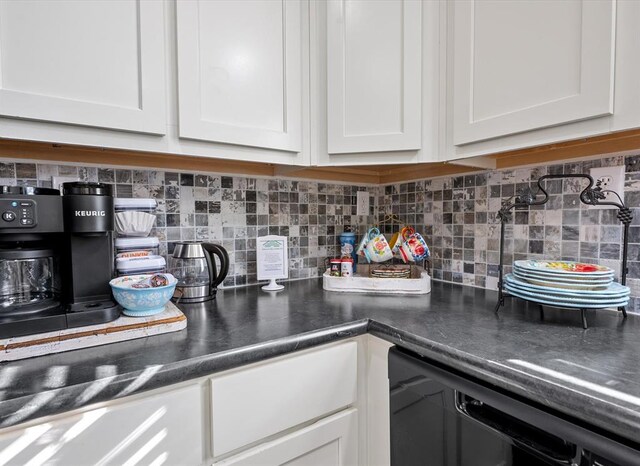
{"x": 566, "y": 284}
{"x": 564, "y": 274}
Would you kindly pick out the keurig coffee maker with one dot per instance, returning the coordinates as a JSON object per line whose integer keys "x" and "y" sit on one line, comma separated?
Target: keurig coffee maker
{"x": 88, "y": 227}
{"x": 55, "y": 258}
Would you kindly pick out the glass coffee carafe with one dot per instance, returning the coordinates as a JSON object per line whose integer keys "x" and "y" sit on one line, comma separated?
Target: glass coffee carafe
{"x": 29, "y": 280}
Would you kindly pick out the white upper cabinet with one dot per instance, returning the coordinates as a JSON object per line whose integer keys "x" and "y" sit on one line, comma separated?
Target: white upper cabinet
{"x": 524, "y": 65}
{"x": 95, "y": 63}
{"x": 327, "y": 83}
{"x": 529, "y": 73}
{"x": 374, "y": 75}
{"x": 240, "y": 72}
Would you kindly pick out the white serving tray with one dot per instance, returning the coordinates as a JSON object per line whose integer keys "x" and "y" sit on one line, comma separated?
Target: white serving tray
{"x": 419, "y": 283}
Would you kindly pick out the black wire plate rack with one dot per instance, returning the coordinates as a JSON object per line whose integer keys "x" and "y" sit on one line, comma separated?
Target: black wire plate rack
{"x": 592, "y": 195}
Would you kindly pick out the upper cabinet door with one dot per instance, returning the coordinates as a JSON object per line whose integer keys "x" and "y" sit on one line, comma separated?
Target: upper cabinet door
{"x": 374, "y": 74}
{"x": 240, "y": 72}
{"x": 95, "y": 63}
{"x": 524, "y": 65}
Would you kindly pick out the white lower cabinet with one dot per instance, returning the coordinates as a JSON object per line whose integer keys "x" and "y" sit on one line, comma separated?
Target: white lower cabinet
{"x": 331, "y": 441}
{"x": 322, "y": 406}
{"x": 254, "y": 403}
{"x": 163, "y": 428}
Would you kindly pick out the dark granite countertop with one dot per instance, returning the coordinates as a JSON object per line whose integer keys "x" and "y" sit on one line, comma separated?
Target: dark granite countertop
{"x": 591, "y": 374}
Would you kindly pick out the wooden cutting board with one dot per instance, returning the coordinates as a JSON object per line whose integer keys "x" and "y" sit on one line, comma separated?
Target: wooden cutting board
{"x": 122, "y": 329}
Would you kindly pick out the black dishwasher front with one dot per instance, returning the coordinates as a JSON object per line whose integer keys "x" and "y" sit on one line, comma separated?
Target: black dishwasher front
{"x": 442, "y": 418}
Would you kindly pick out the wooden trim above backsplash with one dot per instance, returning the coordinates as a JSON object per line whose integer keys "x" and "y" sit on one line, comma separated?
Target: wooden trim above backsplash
{"x": 66, "y": 153}
{"x": 613, "y": 143}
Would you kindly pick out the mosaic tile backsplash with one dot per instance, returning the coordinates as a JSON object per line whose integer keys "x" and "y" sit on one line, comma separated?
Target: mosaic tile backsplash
{"x": 457, "y": 216}
{"x": 228, "y": 210}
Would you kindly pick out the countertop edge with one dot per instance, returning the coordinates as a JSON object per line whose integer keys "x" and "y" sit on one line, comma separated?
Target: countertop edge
{"x": 64, "y": 399}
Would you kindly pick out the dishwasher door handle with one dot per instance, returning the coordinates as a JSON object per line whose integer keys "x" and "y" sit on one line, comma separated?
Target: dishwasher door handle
{"x": 520, "y": 433}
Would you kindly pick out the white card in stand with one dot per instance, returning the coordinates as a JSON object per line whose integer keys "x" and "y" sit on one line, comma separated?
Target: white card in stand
{"x": 273, "y": 260}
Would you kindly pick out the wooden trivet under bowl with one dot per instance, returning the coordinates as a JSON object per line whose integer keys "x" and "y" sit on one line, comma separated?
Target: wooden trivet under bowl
{"x": 122, "y": 329}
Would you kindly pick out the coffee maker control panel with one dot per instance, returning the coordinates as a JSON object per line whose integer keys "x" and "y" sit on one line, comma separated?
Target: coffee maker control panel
{"x": 17, "y": 213}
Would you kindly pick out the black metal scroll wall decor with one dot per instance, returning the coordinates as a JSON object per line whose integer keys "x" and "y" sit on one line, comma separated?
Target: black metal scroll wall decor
{"x": 591, "y": 195}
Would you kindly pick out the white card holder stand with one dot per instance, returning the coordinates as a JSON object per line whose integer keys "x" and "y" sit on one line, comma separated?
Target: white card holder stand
{"x": 273, "y": 286}
{"x": 273, "y": 260}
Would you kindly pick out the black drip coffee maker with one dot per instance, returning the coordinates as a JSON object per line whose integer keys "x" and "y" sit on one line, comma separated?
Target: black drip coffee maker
{"x": 55, "y": 258}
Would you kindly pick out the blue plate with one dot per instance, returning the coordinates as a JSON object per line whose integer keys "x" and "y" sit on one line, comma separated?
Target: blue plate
{"x": 613, "y": 291}
{"x": 564, "y": 284}
{"x": 564, "y": 302}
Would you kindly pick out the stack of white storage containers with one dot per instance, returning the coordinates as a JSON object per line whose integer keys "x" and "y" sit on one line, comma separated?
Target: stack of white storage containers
{"x": 136, "y": 252}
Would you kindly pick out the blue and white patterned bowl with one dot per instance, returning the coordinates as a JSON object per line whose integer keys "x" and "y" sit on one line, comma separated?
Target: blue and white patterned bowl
{"x": 142, "y": 302}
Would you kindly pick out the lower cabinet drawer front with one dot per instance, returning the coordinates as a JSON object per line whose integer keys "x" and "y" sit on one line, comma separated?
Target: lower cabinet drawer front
{"x": 332, "y": 441}
{"x": 256, "y": 403}
{"x": 164, "y": 428}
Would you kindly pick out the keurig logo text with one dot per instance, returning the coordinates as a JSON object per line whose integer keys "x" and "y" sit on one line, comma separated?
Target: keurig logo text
{"x": 90, "y": 213}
